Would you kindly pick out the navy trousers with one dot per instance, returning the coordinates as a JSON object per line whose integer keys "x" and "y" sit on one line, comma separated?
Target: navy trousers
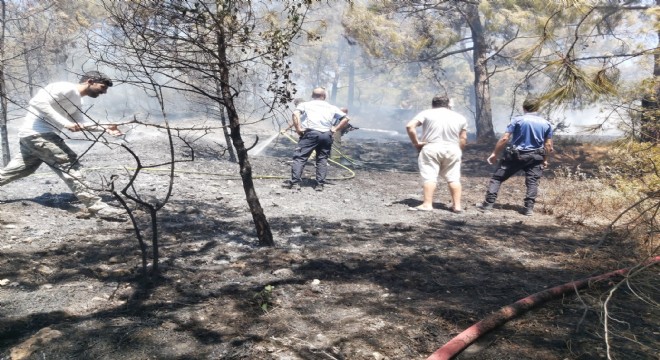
{"x": 507, "y": 168}
{"x": 310, "y": 141}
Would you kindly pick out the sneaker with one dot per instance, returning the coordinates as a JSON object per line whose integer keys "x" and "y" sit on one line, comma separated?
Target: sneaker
{"x": 319, "y": 187}
{"x": 291, "y": 185}
{"x": 485, "y": 206}
{"x": 111, "y": 214}
{"x": 528, "y": 211}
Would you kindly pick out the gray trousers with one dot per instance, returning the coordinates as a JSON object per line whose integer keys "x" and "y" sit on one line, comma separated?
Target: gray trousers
{"x": 50, "y": 149}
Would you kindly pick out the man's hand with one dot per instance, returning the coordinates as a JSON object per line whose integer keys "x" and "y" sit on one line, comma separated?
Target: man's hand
{"x": 499, "y": 147}
{"x": 419, "y": 146}
{"x": 492, "y": 158}
{"x": 113, "y": 130}
{"x": 73, "y": 127}
{"x": 544, "y": 165}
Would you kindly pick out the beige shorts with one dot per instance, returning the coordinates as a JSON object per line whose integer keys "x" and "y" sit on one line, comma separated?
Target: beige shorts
{"x": 440, "y": 159}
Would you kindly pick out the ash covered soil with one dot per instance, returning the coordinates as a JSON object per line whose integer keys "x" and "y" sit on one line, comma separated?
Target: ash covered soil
{"x": 353, "y": 275}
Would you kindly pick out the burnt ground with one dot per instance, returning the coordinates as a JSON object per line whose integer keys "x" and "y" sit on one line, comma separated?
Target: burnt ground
{"x": 354, "y": 275}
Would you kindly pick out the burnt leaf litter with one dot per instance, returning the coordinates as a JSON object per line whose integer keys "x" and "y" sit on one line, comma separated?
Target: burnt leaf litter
{"x": 354, "y": 275}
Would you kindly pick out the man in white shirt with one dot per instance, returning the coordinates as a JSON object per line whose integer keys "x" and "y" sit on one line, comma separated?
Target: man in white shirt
{"x": 314, "y": 121}
{"x": 444, "y": 136}
{"x": 53, "y": 109}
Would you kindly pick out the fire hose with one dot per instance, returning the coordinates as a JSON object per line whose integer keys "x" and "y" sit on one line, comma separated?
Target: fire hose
{"x": 494, "y": 320}
{"x": 352, "y": 173}
{"x": 228, "y": 176}
{"x": 233, "y": 176}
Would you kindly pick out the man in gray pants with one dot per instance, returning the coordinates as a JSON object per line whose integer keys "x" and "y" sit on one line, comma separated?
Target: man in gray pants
{"x": 54, "y": 108}
{"x": 314, "y": 122}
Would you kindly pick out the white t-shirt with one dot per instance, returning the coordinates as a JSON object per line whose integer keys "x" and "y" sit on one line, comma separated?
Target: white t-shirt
{"x": 318, "y": 115}
{"x": 441, "y": 126}
{"x": 53, "y": 107}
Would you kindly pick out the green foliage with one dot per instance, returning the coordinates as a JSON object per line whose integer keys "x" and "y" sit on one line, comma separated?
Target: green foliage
{"x": 383, "y": 35}
{"x": 264, "y": 298}
{"x": 509, "y": 16}
{"x": 639, "y": 179}
{"x": 561, "y": 50}
{"x": 576, "y": 83}
{"x": 654, "y": 12}
{"x": 580, "y": 45}
{"x": 623, "y": 193}
{"x": 638, "y": 165}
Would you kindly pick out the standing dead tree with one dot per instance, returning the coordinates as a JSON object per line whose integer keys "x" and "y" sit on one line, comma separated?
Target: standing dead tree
{"x": 202, "y": 46}
{"x": 4, "y": 138}
{"x": 128, "y": 191}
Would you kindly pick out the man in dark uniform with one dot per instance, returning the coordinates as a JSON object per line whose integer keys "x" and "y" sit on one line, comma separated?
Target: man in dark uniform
{"x": 314, "y": 121}
{"x": 526, "y": 144}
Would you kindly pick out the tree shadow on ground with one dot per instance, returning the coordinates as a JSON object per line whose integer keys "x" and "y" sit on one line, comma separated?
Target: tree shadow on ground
{"x": 400, "y": 156}
{"x": 63, "y": 201}
{"x": 377, "y": 282}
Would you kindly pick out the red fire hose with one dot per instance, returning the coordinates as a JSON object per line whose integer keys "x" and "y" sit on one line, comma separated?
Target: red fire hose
{"x": 469, "y": 335}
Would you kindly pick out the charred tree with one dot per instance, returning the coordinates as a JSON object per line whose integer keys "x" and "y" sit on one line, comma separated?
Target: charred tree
{"x": 424, "y": 44}
{"x": 225, "y": 52}
{"x": 261, "y": 223}
{"x": 225, "y": 128}
{"x": 4, "y": 137}
{"x": 650, "y": 118}
{"x": 483, "y": 111}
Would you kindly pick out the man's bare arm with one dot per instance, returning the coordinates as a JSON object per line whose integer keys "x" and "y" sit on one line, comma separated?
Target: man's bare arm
{"x": 462, "y": 139}
{"x": 296, "y": 123}
{"x": 411, "y": 129}
{"x": 342, "y": 123}
{"x": 549, "y": 148}
{"x": 501, "y": 144}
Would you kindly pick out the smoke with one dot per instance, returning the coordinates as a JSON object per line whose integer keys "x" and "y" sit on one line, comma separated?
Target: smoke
{"x": 575, "y": 122}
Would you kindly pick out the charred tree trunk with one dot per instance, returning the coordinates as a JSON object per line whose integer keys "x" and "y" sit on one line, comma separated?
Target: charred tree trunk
{"x": 483, "y": 111}
{"x": 4, "y": 136}
{"x": 225, "y": 131}
{"x": 335, "y": 87}
{"x": 351, "y": 76}
{"x": 261, "y": 223}
{"x": 27, "y": 54}
{"x": 225, "y": 128}
{"x": 650, "y": 120}
{"x": 337, "y": 71}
